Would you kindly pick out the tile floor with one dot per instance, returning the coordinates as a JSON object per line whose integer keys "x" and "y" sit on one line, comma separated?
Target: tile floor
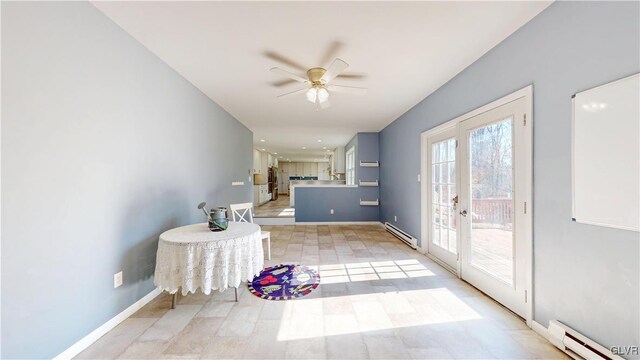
{"x": 378, "y": 299}
{"x": 275, "y": 209}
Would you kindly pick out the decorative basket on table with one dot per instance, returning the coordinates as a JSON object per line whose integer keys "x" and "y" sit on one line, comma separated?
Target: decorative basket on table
{"x": 217, "y": 217}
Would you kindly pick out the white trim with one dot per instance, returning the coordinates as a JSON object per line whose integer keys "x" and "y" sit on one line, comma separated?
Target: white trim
{"x": 96, "y": 334}
{"x": 442, "y": 264}
{"x": 341, "y": 223}
{"x": 350, "y": 170}
{"x": 528, "y": 133}
{"x": 524, "y": 92}
{"x": 442, "y": 134}
{"x": 540, "y": 329}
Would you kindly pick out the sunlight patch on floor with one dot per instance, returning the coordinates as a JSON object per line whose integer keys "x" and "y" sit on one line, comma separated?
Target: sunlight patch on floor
{"x": 367, "y": 271}
{"x": 304, "y": 318}
{"x": 287, "y": 212}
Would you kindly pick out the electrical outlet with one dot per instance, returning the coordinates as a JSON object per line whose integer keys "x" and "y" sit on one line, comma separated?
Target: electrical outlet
{"x": 331, "y": 212}
{"x": 117, "y": 280}
{"x": 418, "y": 177}
{"x": 395, "y": 218}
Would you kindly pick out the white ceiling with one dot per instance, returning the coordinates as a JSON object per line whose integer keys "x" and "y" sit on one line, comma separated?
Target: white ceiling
{"x": 406, "y": 49}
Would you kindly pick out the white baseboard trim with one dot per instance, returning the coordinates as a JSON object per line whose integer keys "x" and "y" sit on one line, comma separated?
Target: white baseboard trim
{"x": 540, "y": 329}
{"x": 342, "y": 223}
{"x": 96, "y": 334}
{"x": 441, "y": 263}
{"x": 274, "y": 221}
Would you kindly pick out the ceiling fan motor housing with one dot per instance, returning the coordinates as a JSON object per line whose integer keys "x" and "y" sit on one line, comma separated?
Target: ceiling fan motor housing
{"x": 315, "y": 74}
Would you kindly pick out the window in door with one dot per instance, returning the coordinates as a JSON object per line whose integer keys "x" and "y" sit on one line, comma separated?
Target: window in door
{"x": 351, "y": 166}
{"x": 491, "y": 197}
{"x": 443, "y": 216}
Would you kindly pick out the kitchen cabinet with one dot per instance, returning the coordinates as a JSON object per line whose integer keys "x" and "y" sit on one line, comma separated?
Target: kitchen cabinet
{"x": 299, "y": 169}
{"x": 256, "y": 161}
{"x": 270, "y": 160}
{"x": 283, "y": 179}
{"x": 260, "y": 194}
{"x": 307, "y": 169}
{"x": 264, "y": 163}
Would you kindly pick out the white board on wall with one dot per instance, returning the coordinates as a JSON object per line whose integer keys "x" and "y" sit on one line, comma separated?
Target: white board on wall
{"x": 606, "y": 155}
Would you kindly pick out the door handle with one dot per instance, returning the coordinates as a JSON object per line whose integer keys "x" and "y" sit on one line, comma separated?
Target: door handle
{"x": 463, "y": 213}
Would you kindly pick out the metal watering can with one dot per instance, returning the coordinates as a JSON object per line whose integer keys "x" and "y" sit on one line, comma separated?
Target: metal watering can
{"x": 217, "y": 217}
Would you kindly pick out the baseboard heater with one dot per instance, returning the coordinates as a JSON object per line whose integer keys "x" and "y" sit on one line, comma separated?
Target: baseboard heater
{"x": 406, "y": 238}
{"x": 577, "y": 345}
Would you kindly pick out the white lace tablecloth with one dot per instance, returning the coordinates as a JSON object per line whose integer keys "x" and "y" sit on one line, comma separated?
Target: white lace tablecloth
{"x": 192, "y": 257}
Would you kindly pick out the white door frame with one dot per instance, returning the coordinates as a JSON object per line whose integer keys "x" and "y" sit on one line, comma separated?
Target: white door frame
{"x": 527, "y": 148}
{"x": 446, "y": 259}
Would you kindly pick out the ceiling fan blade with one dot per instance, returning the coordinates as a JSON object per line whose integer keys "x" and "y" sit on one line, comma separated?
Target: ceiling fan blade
{"x": 283, "y": 59}
{"x": 282, "y": 82}
{"x": 351, "y": 76}
{"x": 336, "y": 67}
{"x": 289, "y": 75}
{"x": 331, "y": 53}
{"x": 294, "y": 92}
{"x": 347, "y": 89}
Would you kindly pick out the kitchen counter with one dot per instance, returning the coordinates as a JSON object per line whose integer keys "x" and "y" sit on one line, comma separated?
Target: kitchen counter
{"x": 313, "y": 183}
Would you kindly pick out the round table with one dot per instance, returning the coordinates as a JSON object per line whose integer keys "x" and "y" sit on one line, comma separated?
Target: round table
{"x": 192, "y": 257}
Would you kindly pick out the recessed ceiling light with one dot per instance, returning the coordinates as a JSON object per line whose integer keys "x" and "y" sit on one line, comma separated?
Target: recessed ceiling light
{"x": 264, "y": 149}
{"x": 319, "y": 140}
{"x": 275, "y": 153}
{"x": 304, "y": 148}
{"x": 324, "y": 147}
{"x": 261, "y": 140}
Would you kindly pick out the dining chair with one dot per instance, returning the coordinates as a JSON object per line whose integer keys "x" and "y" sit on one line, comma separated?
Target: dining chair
{"x": 244, "y": 212}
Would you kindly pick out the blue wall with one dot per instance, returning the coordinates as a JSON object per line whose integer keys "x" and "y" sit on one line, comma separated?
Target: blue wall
{"x": 586, "y": 276}
{"x": 313, "y": 204}
{"x": 103, "y": 148}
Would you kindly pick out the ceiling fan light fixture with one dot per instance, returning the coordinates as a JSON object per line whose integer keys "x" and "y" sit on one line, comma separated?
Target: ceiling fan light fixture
{"x": 311, "y": 94}
{"x": 317, "y": 93}
{"x": 323, "y": 95}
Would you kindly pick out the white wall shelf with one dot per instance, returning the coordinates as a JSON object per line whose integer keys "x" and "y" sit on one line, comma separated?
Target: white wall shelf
{"x": 375, "y": 202}
{"x": 368, "y": 183}
{"x": 369, "y": 164}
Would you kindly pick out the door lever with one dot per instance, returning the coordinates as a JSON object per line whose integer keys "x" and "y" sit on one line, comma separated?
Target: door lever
{"x": 463, "y": 213}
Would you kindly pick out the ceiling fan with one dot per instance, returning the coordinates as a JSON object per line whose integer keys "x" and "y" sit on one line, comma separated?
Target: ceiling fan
{"x": 317, "y": 84}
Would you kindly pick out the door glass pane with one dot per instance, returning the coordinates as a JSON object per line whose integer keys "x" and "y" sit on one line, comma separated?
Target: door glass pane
{"x": 443, "y": 185}
{"x": 435, "y": 237}
{"x": 491, "y": 215}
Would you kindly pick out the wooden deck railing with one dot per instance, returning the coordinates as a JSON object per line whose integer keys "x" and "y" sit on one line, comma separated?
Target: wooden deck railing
{"x": 492, "y": 211}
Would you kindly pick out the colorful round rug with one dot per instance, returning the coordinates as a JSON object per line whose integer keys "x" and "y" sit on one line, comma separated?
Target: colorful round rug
{"x": 284, "y": 282}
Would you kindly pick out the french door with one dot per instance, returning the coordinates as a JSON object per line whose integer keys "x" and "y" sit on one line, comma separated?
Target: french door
{"x": 475, "y": 214}
{"x": 441, "y": 207}
{"x": 493, "y": 174}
